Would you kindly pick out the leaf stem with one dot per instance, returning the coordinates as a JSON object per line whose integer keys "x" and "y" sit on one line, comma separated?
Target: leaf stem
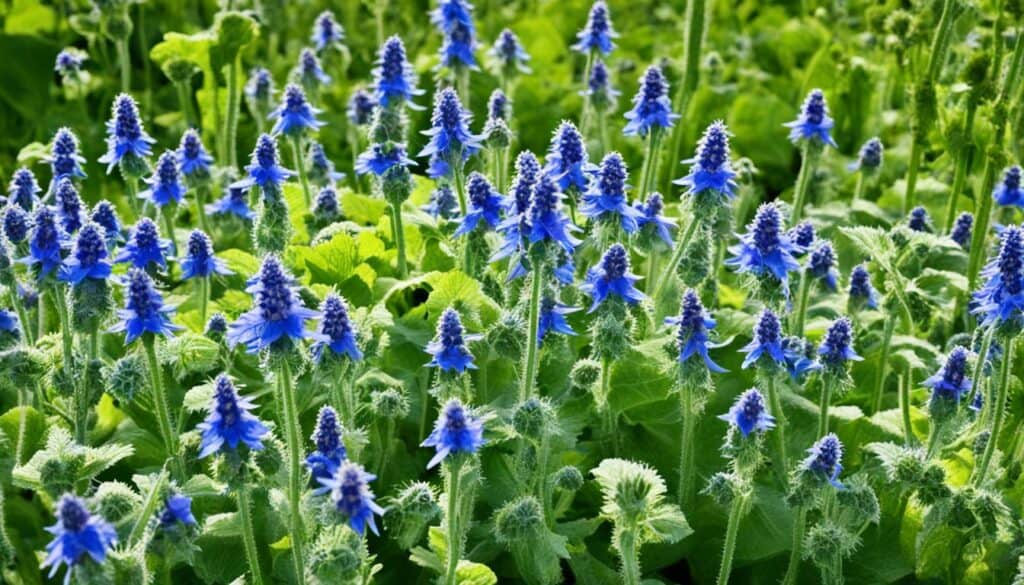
{"x": 293, "y": 438}
{"x": 731, "y": 532}
{"x": 300, "y": 167}
{"x": 780, "y": 423}
{"x": 796, "y": 552}
{"x": 883, "y": 363}
{"x": 248, "y": 537}
{"x": 163, "y": 415}
{"x": 998, "y": 411}
{"x": 809, "y": 160}
{"x": 530, "y": 371}
{"x": 453, "y": 479}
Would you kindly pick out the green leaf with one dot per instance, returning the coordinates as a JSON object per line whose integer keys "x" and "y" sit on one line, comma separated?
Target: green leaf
{"x": 362, "y": 209}
{"x": 667, "y": 523}
{"x": 35, "y": 428}
{"x": 190, "y": 353}
{"x": 470, "y": 573}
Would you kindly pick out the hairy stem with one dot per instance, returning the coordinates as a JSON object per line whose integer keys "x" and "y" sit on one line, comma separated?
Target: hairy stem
{"x": 248, "y": 536}
{"x": 998, "y": 411}
{"x": 731, "y": 531}
{"x": 796, "y": 551}
{"x": 168, "y": 431}
{"x": 453, "y": 480}
{"x": 293, "y": 437}
{"x": 809, "y": 158}
{"x": 530, "y": 371}
{"x": 300, "y": 167}
{"x": 883, "y": 363}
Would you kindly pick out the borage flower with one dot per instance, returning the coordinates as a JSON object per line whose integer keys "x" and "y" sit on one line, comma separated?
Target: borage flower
{"x": 234, "y": 202}
{"x": 126, "y": 139}
{"x": 861, "y": 290}
{"x": 508, "y": 54}
{"x": 822, "y": 265}
{"x": 23, "y": 190}
{"x": 612, "y": 278}
{"x": 606, "y": 197}
{"x": 88, "y": 258}
{"x": 144, "y": 309}
{"x": 567, "y": 160}
{"x": 813, "y": 124}
{"x": 450, "y": 138}
{"x": 360, "y": 108}
{"x": 765, "y": 249}
{"x": 330, "y": 452}
{"x": 1001, "y": 299}
{"x": 352, "y": 497}
{"x": 961, "y": 231}
{"x": 326, "y": 206}
{"x": 193, "y": 160}
{"x": 1008, "y": 191}
{"x": 442, "y": 203}
{"x": 68, "y": 206}
{"x": 497, "y": 106}
{"x": 694, "y": 323}
{"x": 598, "y": 35}
{"x": 599, "y": 88}
{"x": 552, "y": 318}
{"x": 327, "y": 32}
{"x": 336, "y": 330}
{"x": 165, "y": 186}
{"x": 394, "y": 78}
{"x": 800, "y": 357}
{"x": 869, "y": 159}
{"x": 105, "y": 216}
{"x": 46, "y": 243}
{"x": 321, "y": 169}
{"x": 749, "y": 413}
{"x": 457, "y": 431}
{"x": 265, "y": 170}
{"x": 448, "y": 348}
{"x": 451, "y": 13}
{"x": 459, "y": 47}
{"x": 229, "y": 422}
{"x": 277, "y": 313}
{"x": 309, "y": 71}
{"x": 802, "y": 234}
{"x": 652, "y": 109}
{"x": 65, "y": 159}
{"x": 652, "y": 218}
{"x": 546, "y": 221}
{"x": 77, "y": 533}
{"x": 919, "y": 220}
{"x": 951, "y": 381}
{"x": 379, "y": 158}
{"x": 16, "y": 224}
{"x": 824, "y": 458}
{"x": 177, "y": 508}
{"x": 766, "y": 345}
{"x": 711, "y": 168}
{"x": 69, "y": 62}
{"x": 485, "y": 205}
{"x": 199, "y": 261}
{"x": 145, "y": 246}
{"x": 837, "y": 347}
{"x": 295, "y": 116}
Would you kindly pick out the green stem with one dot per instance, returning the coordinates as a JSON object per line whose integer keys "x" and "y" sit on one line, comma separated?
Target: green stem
{"x": 977, "y": 373}
{"x": 398, "y": 233}
{"x": 300, "y": 167}
{"x": 530, "y": 371}
{"x": 809, "y": 158}
{"x": 67, "y": 359}
{"x": 650, "y": 163}
{"x": 796, "y": 552}
{"x": 293, "y": 437}
{"x": 168, "y": 431}
{"x": 858, "y": 189}
{"x": 962, "y": 165}
{"x": 380, "y": 7}
{"x": 826, "y": 397}
{"x": 630, "y": 556}
{"x": 126, "y": 66}
{"x": 585, "y": 114}
{"x": 203, "y": 284}
{"x": 234, "y": 103}
{"x": 803, "y": 293}
{"x": 454, "y": 479}
{"x": 19, "y": 447}
{"x": 909, "y": 195}
{"x": 185, "y": 102}
{"x": 204, "y": 223}
{"x": 731, "y": 531}
{"x": 883, "y": 363}
{"x": 248, "y": 537}
{"x": 906, "y": 383}
{"x": 131, "y": 186}
{"x": 998, "y": 411}
{"x": 780, "y": 423}
{"x": 460, "y": 188}
{"x": 694, "y": 25}
{"x": 673, "y": 263}
{"x": 154, "y": 498}
{"x": 167, "y": 214}
{"x": 26, "y": 325}
{"x": 687, "y": 447}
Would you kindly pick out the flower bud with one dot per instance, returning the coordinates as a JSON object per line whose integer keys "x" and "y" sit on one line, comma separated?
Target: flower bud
{"x": 567, "y": 479}
{"x": 410, "y": 512}
{"x": 117, "y": 503}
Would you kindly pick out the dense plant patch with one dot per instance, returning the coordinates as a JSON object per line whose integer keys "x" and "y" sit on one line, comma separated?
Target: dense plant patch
{"x": 547, "y": 292}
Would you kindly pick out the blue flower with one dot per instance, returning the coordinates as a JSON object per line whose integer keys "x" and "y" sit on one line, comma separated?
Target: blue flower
{"x": 233, "y": 202}
{"x": 861, "y": 289}
{"x": 177, "y": 508}
{"x": 694, "y": 323}
{"x": 951, "y": 381}
{"x": 869, "y": 159}
{"x": 64, "y": 159}
{"x": 105, "y": 216}
{"x": 509, "y": 54}
{"x": 16, "y": 224}
{"x": 193, "y": 160}
{"x": 567, "y": 159}
{"x": 978, "y": 402}
{"x": 448, "y": 347}
{"x": 802, "y": 234}
{"x": 76, "y": 533}
{"x": 199, "y": 261}
{"x": 260, "y": 86}
{"x": 229, "y": 422}
{"x": 825, "y": 457}
{"x": 379, "y": 158}
{"x": 23, "y": 190}
{"x": 309, "y": 71}
{"x": 485, "y": 204}
{"x": 1001, "y": 298}
{"x": 125, "y": 135}
{"x": 336, "y": 331}
{"x": 765, "y": 249}
{"x": 606, "y": 197}
{"x": 327, "y": 32}
{"x": 497, "y": 106}
{"x": 711, "y": 169}
{"x": 813, "y": 123}
{"x": 89, "y": 257}
{"x": 598, "y": 34}
{"x": 652, "y": 109}
{"x": 46, "y": 244}
{"x": 599, "y": 88}
{"x": 457, "y": 430}
{"x": 68, "y": 206}
{"x": 330, "y": 450}
{"x": 552, "y": 318}
{"x": 766, "y": 344}
{"x": 145, "y": 246}
{"x": 516, "y": 226}
{"x": 265, "y": 170}
{"x": 144, "y": 309}
{"x": 450, "y": 138}
{"x": 216, "y": 325}
{"x": 277, "y": 313}
{"x": 822, "y": 265}
{"x": 360, "y": 108}
{"x": 961, "y": 232}
{"x": 295, "y": 116}
{"x": 69, "y": 62}
{"x": 547, "y": 222}
{"x": 837, "y": 347}
{"x": 321, "y": 169}
{"x": 8, "y": 321}
{"x": 650, "y": 215}
{"x": 394, "y": 78}
{"x": 800, "y": 357}
{"x": 612, "y": 278}
{"x": 442, "y": 202}
{"x": 452, "y": 13}
{"x": 919, "y": 220}
{"x": 458, "y": 47}
{"x": 352, "y": 497}
{"x": 165, "y": 186}
{"x": 749, "y": 413}
{"x": 1008, "y": 191}
{"x": 326, "y": 206}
